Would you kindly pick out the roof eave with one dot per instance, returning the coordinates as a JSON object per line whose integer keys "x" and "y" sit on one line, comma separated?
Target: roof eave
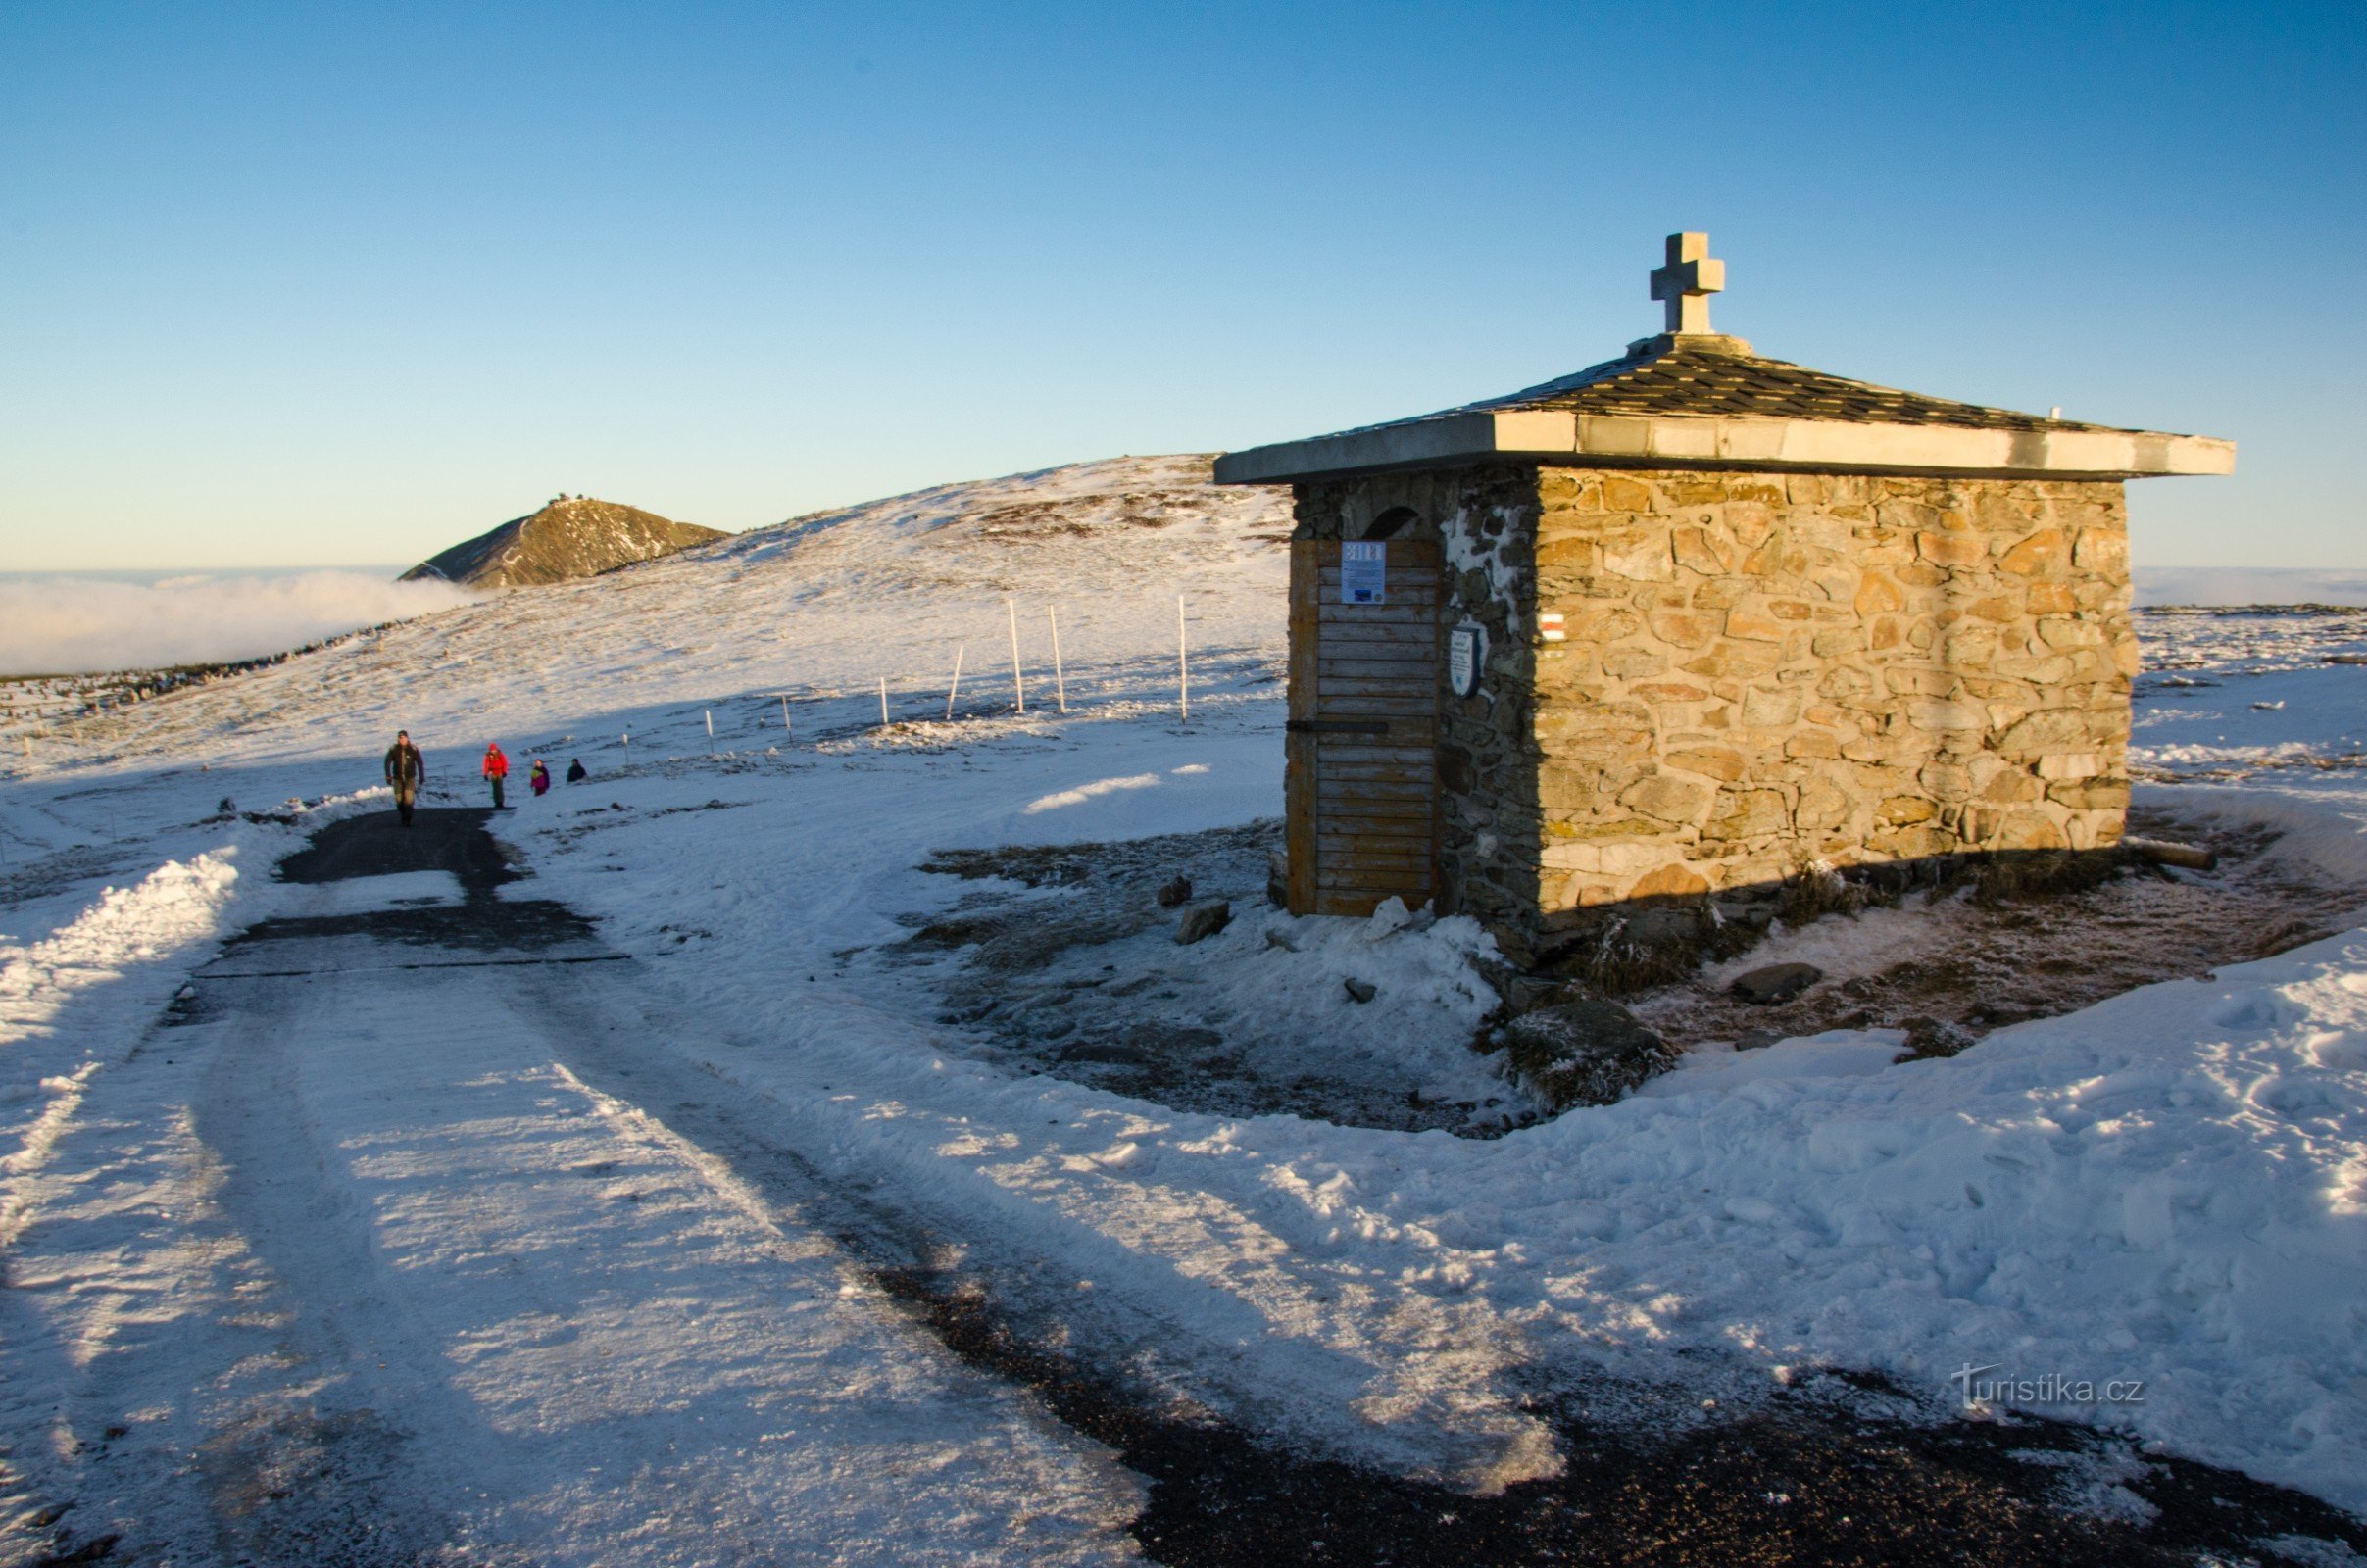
{"x": 1671, "y": 441}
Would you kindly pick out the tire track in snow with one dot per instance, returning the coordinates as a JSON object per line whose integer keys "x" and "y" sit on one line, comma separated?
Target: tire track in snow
{"x": 440, "y": 1304}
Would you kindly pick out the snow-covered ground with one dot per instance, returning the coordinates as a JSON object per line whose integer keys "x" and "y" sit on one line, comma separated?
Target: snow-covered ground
{"x": 2166, "y": 1191}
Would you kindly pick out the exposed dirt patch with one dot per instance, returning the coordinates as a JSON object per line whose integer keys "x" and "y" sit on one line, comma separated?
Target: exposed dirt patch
{"x": 706, "y": 806}
{"x": 444, "y": 839}
{"x": 1066, "y": 963}
{"x": 23, "y": 882}
{"x": 1950, "y": 965}
{"x": 1842, "y": 1469}
{"x": 1062, "y": 963}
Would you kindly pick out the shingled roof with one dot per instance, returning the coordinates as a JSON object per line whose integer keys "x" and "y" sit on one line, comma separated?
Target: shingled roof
{"x": 1669, "y": 375}
{"x": 1695, "y": 398}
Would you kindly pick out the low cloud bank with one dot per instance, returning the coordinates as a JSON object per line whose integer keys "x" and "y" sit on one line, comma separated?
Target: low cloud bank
{"x": 2248, "y": 585}
{"x": 73, "y": 625}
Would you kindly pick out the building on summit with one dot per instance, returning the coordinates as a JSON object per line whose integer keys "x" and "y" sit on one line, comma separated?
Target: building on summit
{"x": 1691, "y": 620}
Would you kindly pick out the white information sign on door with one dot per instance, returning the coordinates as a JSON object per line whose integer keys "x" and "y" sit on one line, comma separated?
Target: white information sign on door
{"x": 1363, "y": 573}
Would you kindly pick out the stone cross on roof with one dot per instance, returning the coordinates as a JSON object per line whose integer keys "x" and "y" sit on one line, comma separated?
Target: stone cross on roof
{"x": 1686, "y": 283}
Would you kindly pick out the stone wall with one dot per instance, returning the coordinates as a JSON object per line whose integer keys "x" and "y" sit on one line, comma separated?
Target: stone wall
{"x": 1762, "y": 670}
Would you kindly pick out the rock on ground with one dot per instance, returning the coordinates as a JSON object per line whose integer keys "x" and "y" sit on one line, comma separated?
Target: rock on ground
{"x": 1584, "y": 1053}
{"x": 1202, "y": 921}
{"x": 1777, "y": 982}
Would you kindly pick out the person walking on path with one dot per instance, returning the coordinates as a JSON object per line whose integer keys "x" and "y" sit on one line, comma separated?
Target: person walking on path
{"x": 405, "y": 771}
{"x": 496, "y": 769}
{"x": 575, "y": 770}
{"x": 539, "y": 777}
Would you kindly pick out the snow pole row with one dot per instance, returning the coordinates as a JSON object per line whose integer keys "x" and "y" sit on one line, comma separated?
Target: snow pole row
{"x": 1060, "y": 672}
{"x": 1018, "y": 674}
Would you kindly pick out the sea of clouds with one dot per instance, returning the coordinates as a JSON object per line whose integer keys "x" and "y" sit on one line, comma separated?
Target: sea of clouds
{"x": 73, "y": 624}
{"x": 77, "y": 623}
{"x": 2249, "y": 585}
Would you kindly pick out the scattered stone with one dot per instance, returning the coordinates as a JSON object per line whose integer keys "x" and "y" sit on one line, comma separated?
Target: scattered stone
{"x": 1932, "y": 1037}
{"x": 1360, "y": 990}
{"x": 1171, "y": 894}
{"x": 1777, "y": 982}
{"x": 1276, "y": 939}
{"x": 1584, "y": 1053}
{"x": 1202, "y": 921}
{"x": 1526, "y": 993}
{"x": 1513, "y": 943}
{"x": 1653, "y": 927}
{"x": 1758, "y": 1039}
{"x": 2347, "y": 658}
{"x": 2161, "y": 852}
{"x": 1111, "y": 1053}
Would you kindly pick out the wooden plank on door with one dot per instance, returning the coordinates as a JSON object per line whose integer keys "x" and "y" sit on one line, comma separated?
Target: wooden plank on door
{"x": 1372, "y": 780}
{"x": 1375, "y": 794}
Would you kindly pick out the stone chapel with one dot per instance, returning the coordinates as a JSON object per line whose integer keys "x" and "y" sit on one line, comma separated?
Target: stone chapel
{"x": 1693, "y": 620}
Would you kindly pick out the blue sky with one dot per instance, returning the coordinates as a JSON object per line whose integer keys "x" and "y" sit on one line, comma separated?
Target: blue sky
{"x": 330, "y": 284}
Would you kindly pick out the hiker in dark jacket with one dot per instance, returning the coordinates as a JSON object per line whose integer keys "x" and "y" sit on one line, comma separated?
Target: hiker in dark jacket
{"x": 575, "y": 770}
{"x": 405, "y": 771}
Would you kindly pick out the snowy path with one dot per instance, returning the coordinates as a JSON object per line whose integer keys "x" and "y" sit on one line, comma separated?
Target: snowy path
{"x": 328, "y": 1273}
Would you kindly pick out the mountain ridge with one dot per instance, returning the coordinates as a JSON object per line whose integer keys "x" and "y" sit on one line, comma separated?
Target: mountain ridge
{"x": 817, "y": 606}
{"x": 570, "y": 537}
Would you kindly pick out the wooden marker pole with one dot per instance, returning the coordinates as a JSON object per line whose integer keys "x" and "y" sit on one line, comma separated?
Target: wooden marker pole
{"x": 954, "y": 689}
{"x": 710, "y": 729}
{"x": 1059, "y": 682}
{"x": 1183, "y": 667}
{"x": 1018, "y": 683}
{"x": 784, "y": 716}
{"x": 883, "y": 699}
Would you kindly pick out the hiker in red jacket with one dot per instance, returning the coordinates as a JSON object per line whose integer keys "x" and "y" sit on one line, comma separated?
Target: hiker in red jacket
{"x": 497, "y": 768}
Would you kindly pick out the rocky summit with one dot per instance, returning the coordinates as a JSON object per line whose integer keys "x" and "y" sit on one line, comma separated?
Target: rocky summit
{"x": 572, "y": 537}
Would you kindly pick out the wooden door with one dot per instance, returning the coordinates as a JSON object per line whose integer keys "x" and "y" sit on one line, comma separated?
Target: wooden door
{"x": 1361, "y": 779}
